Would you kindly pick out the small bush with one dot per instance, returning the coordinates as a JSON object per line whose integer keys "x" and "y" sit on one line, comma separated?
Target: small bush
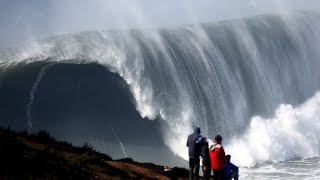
{"x": 88, "y": 147}
{"x": 44, "y": 137}
{"x": 23, "y": 133}
{"x": 88, "y": 159}
{"x": 30, "y": 154}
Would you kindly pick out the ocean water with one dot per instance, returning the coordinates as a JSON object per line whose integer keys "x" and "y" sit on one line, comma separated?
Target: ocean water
{"x": 291, "y": 169}
{"x": 139, "y": 93}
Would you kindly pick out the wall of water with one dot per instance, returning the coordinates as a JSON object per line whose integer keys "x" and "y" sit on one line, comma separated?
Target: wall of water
{"x": 213, "y": 75}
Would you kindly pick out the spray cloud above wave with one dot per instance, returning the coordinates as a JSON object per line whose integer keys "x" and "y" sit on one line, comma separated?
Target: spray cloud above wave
{"x": 21, "y": 20}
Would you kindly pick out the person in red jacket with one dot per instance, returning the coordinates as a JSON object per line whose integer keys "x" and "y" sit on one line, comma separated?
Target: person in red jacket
{"x": 217, "y": 158}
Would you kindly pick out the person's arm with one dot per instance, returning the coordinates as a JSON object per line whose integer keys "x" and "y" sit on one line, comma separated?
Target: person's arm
{"x": 233, "y": 167}
{"x": 188, "y": 141}
{"x": 211, "y": 148}
{"x": 223, "y": 155}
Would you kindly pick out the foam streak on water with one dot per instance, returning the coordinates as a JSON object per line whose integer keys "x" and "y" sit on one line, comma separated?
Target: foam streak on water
{"x": 306, "y": 169}
{"x": 32, "y": 93}
{"x": 117, "y": 138}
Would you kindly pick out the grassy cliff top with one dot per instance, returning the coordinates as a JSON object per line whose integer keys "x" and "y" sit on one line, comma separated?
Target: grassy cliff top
{"x": 41, "y": 156}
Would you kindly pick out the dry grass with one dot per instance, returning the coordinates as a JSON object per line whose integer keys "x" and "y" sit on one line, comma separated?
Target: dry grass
{"x": 40, "y": 156}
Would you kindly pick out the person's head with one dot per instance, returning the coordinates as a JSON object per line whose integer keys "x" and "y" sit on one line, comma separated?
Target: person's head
{"x": 228, "y": 157}
{"x": 197, "y": 130}
{"x": 218, "y": 138}
{"x": 202, "y": 140}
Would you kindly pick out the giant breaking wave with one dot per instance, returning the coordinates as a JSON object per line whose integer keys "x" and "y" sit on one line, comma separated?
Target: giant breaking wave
{"x": 105, "y": 86}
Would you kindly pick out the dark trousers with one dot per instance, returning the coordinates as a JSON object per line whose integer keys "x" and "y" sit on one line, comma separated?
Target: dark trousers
{"x": 194, "y": 165}
{"x": 207, "y": 173}
{"x": 234, "y": 175}
{"x": 218, "y": 174}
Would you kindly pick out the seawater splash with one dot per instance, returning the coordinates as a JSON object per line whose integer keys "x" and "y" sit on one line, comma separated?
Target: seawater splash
{"x": 294, "y": 132}
{"x": 32, "y": 93}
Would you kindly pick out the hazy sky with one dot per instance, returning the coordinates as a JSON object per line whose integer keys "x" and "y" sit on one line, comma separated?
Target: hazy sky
{"x": 22, "y": 20}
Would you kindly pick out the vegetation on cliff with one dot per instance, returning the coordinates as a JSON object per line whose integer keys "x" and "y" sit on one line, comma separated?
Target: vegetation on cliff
{"x": 41, "y": 156}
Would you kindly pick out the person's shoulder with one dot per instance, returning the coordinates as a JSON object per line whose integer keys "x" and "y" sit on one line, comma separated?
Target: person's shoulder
{"x": 233, "y": 164}
{"x": 219, "y": 146}
{"x": 190, "y": 135}
{"x": 200, "y": 139}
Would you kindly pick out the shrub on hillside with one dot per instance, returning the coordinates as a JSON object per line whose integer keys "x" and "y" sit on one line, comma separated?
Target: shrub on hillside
{"x": 88, "y": 147}
{"x": 44, "y": 137}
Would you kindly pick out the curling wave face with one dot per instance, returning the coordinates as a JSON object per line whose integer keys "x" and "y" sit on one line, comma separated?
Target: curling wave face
{"x": 212, "y": 75}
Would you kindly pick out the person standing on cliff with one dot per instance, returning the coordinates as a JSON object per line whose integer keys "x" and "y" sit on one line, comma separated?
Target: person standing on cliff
{"x": 194, "y": 150}
{"x": 217, "y": 158}
{"x": 206, "y": 164}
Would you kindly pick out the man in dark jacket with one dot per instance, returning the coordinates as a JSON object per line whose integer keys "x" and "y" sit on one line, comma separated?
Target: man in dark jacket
{"x": 194, "y": 153}
{"x": 231, "y": 170}
{"x": 206, "y": 165}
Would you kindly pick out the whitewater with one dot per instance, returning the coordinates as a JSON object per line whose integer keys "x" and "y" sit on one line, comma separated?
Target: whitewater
{"x": 292, "y": 133}
{"x": 254, "y": 80}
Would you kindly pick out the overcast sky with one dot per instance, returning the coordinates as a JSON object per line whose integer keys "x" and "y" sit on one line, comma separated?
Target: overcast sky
{"x": 21, "y": 20}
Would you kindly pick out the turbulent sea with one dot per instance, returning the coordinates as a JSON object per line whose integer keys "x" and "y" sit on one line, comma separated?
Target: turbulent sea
{"x": 139, "y": 93}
